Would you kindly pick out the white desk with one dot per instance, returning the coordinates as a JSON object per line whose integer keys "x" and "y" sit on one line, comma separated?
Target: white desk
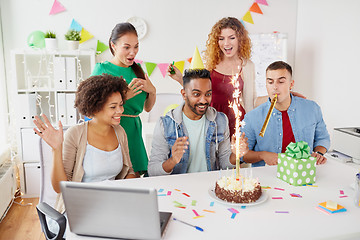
{"x": 303, "y": 221}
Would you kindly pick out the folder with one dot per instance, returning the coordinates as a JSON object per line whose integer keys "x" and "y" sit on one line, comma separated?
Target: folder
{"x": 70, "y": 110}
{"x": 61, "y": 108}
{"x": 30, "y": 144}
{"x": 59, "y": 73}
{"x": 71, "y": 73}
{"x": 27, "y": 109}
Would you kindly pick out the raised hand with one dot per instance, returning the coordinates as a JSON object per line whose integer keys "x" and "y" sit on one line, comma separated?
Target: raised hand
{"x": 46, "y": 131}
{"x": 135, "y": 88}
{"x": 177, "y": 76}
{"x": 178, "y": 149}
{"x": 147, "y": 85}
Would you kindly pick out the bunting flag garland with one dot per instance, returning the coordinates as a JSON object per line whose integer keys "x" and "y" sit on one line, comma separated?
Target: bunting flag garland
{"x": 56, "y": 8}
{"x": 189, "y": 60}
{"x": 247, "y": 17}
{"x": 85, "y": 35}
{"x": 150, "y": 67}
{"x": 138, "y": 61}
{"x": 255, "y": 8}
{"x": 263, "y": 2}
{"x": 180, "y": 65}
{"x": 163, "y": 68}
{"x": 75, "y": 25}
{"x": 101, "y": 47}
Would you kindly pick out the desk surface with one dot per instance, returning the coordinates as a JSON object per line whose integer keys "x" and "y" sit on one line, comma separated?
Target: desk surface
{"x": 261, "y": 221}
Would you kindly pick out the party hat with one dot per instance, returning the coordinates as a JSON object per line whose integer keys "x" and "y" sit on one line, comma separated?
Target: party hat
{"x": 196, "y": 62}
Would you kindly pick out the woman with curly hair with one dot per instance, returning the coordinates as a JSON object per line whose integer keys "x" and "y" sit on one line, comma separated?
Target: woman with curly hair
{"x": 95, "y": 150}
{"x": 228, "y": 51}
{"x": 124, "y": 46}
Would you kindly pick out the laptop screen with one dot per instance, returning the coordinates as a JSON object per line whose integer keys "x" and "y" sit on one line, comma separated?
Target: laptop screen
{"x": 110, "y": 211}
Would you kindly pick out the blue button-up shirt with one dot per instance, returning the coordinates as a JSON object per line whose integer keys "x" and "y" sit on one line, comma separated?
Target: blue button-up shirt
{"x": 306, "y": 121}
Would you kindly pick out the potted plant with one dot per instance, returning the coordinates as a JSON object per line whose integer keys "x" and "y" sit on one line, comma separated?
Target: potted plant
{"x": 50, "y": 40}
{"x": 73, "y": 37}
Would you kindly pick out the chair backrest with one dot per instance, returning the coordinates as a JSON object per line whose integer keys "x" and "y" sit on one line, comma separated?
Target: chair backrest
{"x": 164, "y": 101}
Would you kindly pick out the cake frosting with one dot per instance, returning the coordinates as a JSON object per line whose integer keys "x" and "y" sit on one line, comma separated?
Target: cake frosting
{"x": 244, "y": 190}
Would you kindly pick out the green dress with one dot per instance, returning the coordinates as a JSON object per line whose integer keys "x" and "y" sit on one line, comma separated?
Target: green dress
{"x": 133, "y": 106}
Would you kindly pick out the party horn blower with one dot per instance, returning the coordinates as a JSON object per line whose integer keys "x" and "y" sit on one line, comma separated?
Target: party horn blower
{"x": 263, "y": 129}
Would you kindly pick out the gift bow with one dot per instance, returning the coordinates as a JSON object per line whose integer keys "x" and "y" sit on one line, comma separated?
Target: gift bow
{"x": 298, "y": 150}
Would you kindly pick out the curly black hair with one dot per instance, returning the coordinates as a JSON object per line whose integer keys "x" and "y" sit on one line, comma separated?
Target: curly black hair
{"x": 195, "y": 73}
{"x": 92, "y": 93}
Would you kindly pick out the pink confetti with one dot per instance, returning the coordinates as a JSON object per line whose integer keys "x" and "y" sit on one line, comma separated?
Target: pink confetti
{"x": 234, "y": 210}
{"x": 281, "y": 211}
{"x": 341, "y": 192}
{"x": 195, "y": 212}
{"x": 343, "y": 196}
{"x": 169, "y": 193}
{"x": 279, "y": 189}
{"x": 277, "y": 198}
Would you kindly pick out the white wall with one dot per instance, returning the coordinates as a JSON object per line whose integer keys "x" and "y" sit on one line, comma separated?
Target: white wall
{"x": 328, "y": 58}
{"x": 174, "y": 27}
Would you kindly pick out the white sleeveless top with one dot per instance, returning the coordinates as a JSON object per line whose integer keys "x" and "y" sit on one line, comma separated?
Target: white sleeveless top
{"x": 100, "y": 165}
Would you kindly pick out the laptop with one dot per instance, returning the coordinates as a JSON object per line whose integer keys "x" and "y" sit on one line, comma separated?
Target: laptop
{"x": 113, "y": 211}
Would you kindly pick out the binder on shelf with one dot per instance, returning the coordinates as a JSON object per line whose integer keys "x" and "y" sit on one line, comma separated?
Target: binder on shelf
{"x": 70, "y": 110}
{"x": 27, "y": 109}
{"x": 59, "y": 73}
{"x": 70, "y": 73}
{"x": 61, "y": 107}
{"x": 30, "y": 143}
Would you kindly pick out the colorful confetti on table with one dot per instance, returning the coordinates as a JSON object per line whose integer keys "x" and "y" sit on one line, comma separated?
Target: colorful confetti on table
{"x": 160, "y": 190}
{"x": 295, "y": 195}
{"x": 265, "y": 187}
{"x": 233, "y": 215}
{"x": 277, "y": 198}
{"x": 161, "y": 195}
{"x": 186, "y": 194}
{"x": 281, "y": 189}
{"x": 211, "y": 204}
{"x": 169, "y": 193}
{"x": 281, "y": 211}
{"x": 193, "y": 203}
{"x": 205, "y": 210}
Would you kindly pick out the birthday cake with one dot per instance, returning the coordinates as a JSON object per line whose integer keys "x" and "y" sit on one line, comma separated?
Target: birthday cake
{"x": 244, "y": 190}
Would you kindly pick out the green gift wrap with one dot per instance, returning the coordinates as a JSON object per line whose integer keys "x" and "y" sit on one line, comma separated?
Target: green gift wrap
{"x": 296, "y": 166}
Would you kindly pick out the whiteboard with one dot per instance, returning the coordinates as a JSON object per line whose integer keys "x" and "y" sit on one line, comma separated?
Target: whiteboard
{"x": 266, "y": 48}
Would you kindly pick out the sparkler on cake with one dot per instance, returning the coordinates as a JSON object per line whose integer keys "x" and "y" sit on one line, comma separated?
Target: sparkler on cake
{"x": 238, "y": 189}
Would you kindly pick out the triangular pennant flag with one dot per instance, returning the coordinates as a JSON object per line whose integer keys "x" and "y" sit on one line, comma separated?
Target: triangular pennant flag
{"x": 247, "y": 18}
{"x": 180, "y": 65}
{"x": 138, "y": 61}
{"x": 150, "y": 67}
{"x": 101, "y": 47}
{"x": 163, "y": 67}
{"x": 263, "y": 2}
{"x": 75, "y": 25}
{"x": 255, "y": 8}
{"x": 56, "y": 8}
{"x": 189, "y": 60}
{"x": 85, "y": 35}
{"x": 196, "y": 62}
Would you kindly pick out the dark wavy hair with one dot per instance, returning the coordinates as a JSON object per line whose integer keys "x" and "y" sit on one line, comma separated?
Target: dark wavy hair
{"x": 92, "y": 93}
{"x": 279, "y": 65}
{"x": 195, "y": 73}
{"x": 120, "y": 30}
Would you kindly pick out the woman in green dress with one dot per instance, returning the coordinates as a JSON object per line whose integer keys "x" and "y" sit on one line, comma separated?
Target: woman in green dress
{"x": 124, "y": 46}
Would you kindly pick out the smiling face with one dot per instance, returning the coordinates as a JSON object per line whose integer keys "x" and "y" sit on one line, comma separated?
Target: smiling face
{"x": 197, "y": 95}
{"x": 111, "y": 112}
{"x": 228, "y": 42}
{"x": 125, "y": 49}
{"x": 279, "y": 82}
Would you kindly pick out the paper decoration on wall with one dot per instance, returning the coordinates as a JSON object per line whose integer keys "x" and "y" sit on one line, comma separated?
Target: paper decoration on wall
{"x": 196, "y": 62}
{"x": 56, "y": 8}
{"x": 189, "y": 60}
{"x": 101, "y": 47}
{"x": 138, "y": 61}
{"x": 247, "y": 17}
{"x": 85, "y": 35}
{"x": 163, "y": 68}
{"x": 255, "y": 8}
{"x": 263, "y": 2}
{"x": 75, "y": 25}
{"x": 150, "y": 67}
{"x": 180, "y": 65}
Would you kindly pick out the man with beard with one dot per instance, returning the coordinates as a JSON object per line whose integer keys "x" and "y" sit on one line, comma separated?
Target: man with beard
{"x": 193, "y": 137}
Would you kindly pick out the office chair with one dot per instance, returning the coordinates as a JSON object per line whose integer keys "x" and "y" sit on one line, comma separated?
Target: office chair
{"x": 53, "y": 223}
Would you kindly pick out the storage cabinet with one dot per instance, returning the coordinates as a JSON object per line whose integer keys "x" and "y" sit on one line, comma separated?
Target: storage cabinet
{"x": 43, "y": 82}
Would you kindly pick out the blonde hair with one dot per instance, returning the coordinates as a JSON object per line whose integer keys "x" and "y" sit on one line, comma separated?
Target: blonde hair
{"x": 213, "y": 53}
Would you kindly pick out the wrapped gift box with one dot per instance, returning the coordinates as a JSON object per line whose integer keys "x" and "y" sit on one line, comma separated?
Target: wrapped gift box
{"x": 296, "y": 166}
